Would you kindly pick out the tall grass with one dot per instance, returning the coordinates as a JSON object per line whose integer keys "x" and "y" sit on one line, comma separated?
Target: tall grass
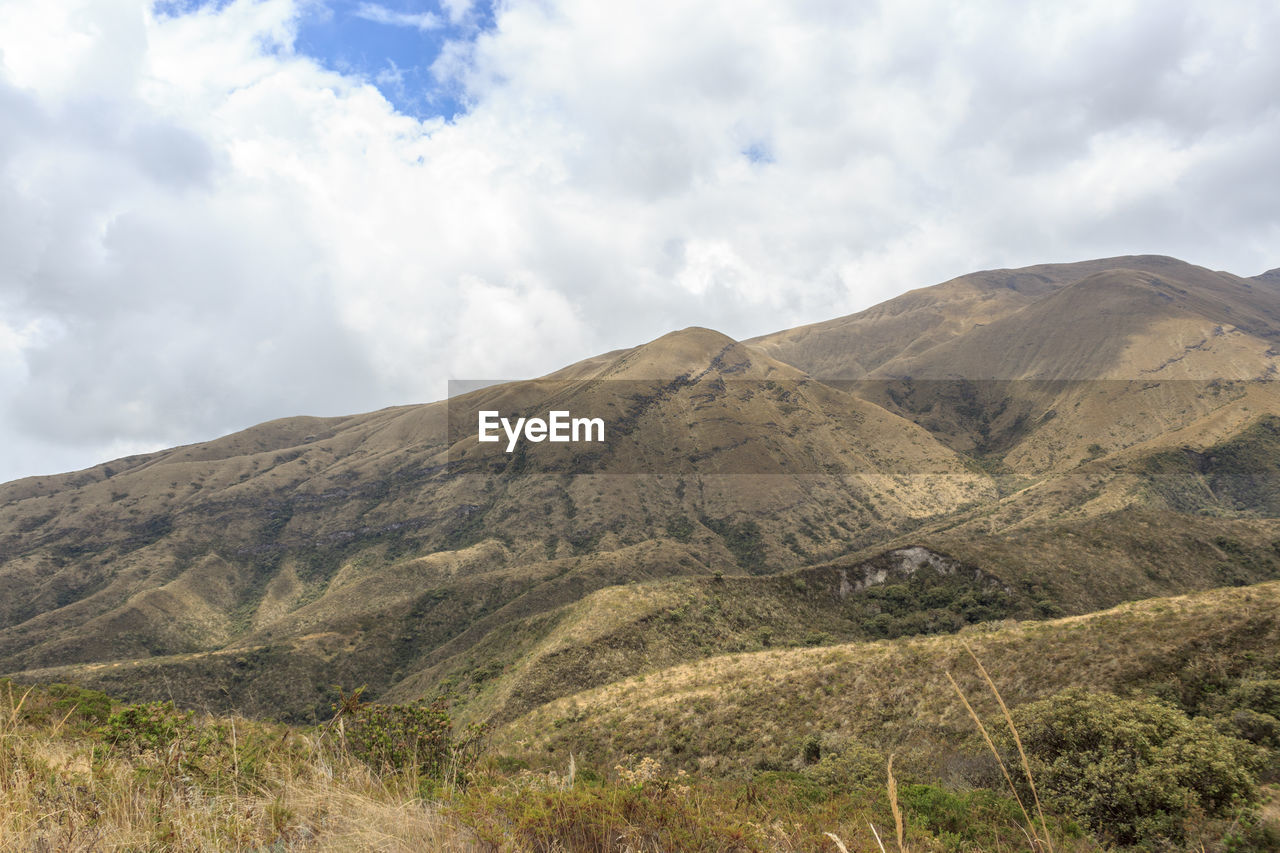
{"x": 1039, "y": 838}
{"x": 65, "y": 786}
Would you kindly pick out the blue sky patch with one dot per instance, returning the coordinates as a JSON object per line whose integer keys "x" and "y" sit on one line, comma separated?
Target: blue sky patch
{"x": 389, "y": 43}
{"x": 392, "y": 45}
{"x": 759, "y": 153}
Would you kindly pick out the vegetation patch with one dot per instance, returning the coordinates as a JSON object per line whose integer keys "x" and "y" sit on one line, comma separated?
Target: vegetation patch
{"x": 1134, "y": 770}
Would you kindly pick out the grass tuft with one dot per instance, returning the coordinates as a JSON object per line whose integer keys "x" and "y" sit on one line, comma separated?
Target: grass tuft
{"x": 1013, "y": 730}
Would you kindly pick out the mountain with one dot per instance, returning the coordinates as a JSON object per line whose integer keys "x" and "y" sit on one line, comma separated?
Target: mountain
{"x": 1106, "y": 301}
{"x": 353, "y": 549}
{"x": 1009, "y": 444}
{"x": 1031, "y": 368}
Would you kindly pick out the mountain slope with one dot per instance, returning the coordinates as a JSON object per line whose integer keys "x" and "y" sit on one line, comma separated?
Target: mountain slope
{"x": 1074, "y": 435}
{"x": 1087, "y": 358}
{"x": 886, "y": 338}
{"x": 364, "y": 544}
{"x": 894, "y": 695}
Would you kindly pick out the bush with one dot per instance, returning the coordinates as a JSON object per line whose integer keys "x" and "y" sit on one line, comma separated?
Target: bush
{"x": 848, "y": 767}
{"x": 1257, "y": 694}
{"x": 158, "y": 738}
{"x": 679, "y": 528}
{"x": 961, "y": 820}
{"x": 150, "y": 727}
{"x": 418, "y": 739}
{"x": 67, "y": 705}
{"x": 1134, "y": 770}
{"x": 1262, "y": 729}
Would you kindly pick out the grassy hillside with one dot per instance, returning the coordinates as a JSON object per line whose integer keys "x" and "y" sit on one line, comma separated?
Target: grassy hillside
{"x": 1024, "y": 444}
{"x": 499, "y": 642}
{"x": 777, "y": 750}
{"x": 735, "y": 713}
{"x": 397, "y": 537}
{"x": 638, "y": 628}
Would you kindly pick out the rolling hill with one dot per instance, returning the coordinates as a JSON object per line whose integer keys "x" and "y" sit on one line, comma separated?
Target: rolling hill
{"x": 1010, "y": 444}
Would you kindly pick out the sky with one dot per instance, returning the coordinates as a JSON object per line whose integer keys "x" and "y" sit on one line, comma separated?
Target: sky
{"x": 213, "y": 214}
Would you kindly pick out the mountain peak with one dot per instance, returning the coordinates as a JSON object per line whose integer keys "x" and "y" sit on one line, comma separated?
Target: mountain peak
{"x": 1270, "y": 276}
{"x": 694, "y": 336}
{"x": 690, "y": 350}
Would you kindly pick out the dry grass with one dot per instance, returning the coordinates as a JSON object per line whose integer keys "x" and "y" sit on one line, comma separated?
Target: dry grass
{"x": 63, "y": 790}
{"x": 1038, "y": 839}
{"x": 886, "y": 693}
{"x": 67, "y": 809}
{"x": 892, "y": 785}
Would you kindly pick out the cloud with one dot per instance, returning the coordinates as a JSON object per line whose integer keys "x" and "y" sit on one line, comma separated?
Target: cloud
{"x": 201, "y": 227}
{"x": 458, "y": 10}
{"x": 423, "y": 21}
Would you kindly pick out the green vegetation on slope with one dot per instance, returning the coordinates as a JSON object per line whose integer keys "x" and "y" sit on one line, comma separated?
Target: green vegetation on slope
{"x": 84, "y": 772}
{"x": 735, "y": 712}
{"x": 637, "y": 628}
{"x": 1240, "y": 476}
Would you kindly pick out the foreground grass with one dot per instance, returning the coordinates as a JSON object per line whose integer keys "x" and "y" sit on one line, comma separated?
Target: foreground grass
{"x": 778, "y": 751}
{"x": 77, "y": 774}
{"x": 70, "y": 780}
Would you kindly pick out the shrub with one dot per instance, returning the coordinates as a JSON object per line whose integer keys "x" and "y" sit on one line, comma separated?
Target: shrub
{"x": 1134, "y": 770}
{"x": 961, "y": 820}
{"x": 67, "y": 705}
{"x": 679, "y": 528}
{"x": 1262, "y": 729}
{"x": 848, "y": 767}
{"x": 811, "y": 750}
{"x": 1257, "y": 694}
{"x": 418, "y": 739}
{"x": 155, "y": 727}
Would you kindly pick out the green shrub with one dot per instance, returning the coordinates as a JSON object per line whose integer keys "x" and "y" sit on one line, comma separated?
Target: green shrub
{"x": 743, "y": 539}
{"x": 162, "y": 740}
{"x": 81, "y": 703}
{"x": 155, "y": 727}
{"x": 1134, "y": 770}
{"x": 1257, "y": 694}
{"x": 811, "y": 750}
{"x": 679, "y": 528}
{"x": 960, "y": 820}
{"x": 1247, "y": 724}
{"x": 67, "y": 705}
{"x": 415, "y": 738}
{"x": 849, "y": 767}
{"x": 608, "y": 819}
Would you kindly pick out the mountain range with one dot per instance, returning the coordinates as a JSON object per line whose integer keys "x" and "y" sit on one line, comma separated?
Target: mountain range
{"x": 1013, "y": 444}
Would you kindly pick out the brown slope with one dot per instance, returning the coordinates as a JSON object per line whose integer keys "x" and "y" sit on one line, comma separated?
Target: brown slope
{"x": 853, "y": 347}
{"x": 310, "y": 532}
{"x": 1115, "y": 359}
{"x": 733, "y": 712}
{"x": 1124, "y": 323}
{"x": 889, "y": 337}
{"x": 365, "y": 549}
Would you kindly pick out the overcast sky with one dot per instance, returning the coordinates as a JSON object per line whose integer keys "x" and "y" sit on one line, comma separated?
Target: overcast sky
{"x": 214, "y": 214}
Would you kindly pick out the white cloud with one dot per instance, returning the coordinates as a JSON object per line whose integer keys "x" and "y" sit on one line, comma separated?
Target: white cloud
{"x": 382, "y": 15}
{"x": 458, "y": 10}
{"x": 201, "y": 228}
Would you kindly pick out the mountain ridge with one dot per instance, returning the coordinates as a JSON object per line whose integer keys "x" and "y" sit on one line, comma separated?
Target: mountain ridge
{"x": 394, "y": 549}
